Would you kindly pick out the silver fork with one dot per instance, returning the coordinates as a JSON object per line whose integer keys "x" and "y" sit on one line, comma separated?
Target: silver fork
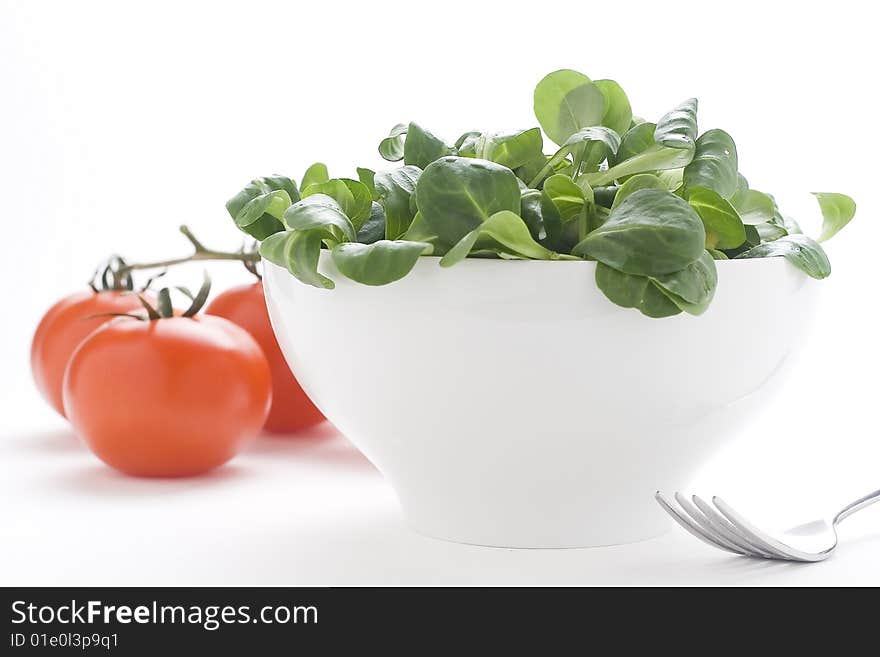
{"x": 720, "y": 526}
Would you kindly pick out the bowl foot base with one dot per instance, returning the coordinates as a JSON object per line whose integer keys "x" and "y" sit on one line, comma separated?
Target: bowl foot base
{"x": 581, "y": 532}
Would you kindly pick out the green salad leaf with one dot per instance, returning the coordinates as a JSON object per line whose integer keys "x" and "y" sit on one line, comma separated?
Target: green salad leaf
{"x": 724, "y": 227}
{"x": 634, "y": 184}
{"x": 566, "y": 101}
{"x": 395, "y": 190}
{"x": 509, "y": 149}
{"x": 691, "y": 289}
{"x": 353, "y": 197}
{"x": 299, "y": 251}
{"x": 378, "y": 263}
{"x": 373, "y": 229}
{"x": 652, "y": 232}
{"x": 391, "y": 148}
{"x": 837, "y": 211}
{"x": 637, "y": 139}
{"x": 456, "y": 194}
{"x": 632, "y": 291}
{"x": 317, "y": 173}
{"x": 753, "y": 207}
{"x": 504, "y": 231}
{"x": 672, "y": 146}
{"x": 420, "y": 147}
{"x": 568, "y": 197}
{"x": 655, "y": 203}
{"x": 258, "y": 208}
{"x": 804, "y": 253}
{"x": 618, "y": 114}
{"x": 606, "y": 139}
{"x": 714, "y": 165}
{"x": 322, "y": 212}
{"x": 367, "y": 177}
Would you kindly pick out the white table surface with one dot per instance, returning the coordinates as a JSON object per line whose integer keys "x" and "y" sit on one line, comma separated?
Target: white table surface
{"x": 310, "y": 510}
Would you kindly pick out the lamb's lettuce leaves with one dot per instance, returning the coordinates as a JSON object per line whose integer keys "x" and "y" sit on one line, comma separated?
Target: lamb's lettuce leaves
{"x": 456, "y": 194}
{"x": 379, "y": 263}
{"x": 837, "y": 211}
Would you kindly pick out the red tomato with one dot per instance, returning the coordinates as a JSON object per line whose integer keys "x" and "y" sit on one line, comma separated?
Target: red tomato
{"x": 166, "y": 398}
{"x": 245, "y": 305}
{"x": 63, "y": 328}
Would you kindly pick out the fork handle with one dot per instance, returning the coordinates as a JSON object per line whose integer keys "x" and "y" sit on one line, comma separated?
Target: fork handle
{"x": 858, "y": 505}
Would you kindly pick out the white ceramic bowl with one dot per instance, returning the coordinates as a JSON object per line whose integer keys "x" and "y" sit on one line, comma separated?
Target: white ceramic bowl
{"x": 509, "y": 403}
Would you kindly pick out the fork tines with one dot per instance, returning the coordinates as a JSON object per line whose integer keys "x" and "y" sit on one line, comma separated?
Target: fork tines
{"x": 718, "y": 525}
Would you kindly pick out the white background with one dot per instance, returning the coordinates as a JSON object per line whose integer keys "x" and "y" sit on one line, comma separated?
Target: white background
{"x": 119, "y": 121}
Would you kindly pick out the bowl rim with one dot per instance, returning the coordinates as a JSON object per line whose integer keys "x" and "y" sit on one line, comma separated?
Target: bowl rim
{"x": 494, "y": 262}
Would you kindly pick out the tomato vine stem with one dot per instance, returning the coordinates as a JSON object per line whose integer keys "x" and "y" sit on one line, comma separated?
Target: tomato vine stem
{"x": 201, "y": 252}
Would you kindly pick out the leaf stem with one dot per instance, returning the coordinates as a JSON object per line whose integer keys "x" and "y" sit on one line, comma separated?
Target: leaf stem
{"x": 549, "y": 167}
{"x": 200, "y": 252}
{"x": 546, "y": 169}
